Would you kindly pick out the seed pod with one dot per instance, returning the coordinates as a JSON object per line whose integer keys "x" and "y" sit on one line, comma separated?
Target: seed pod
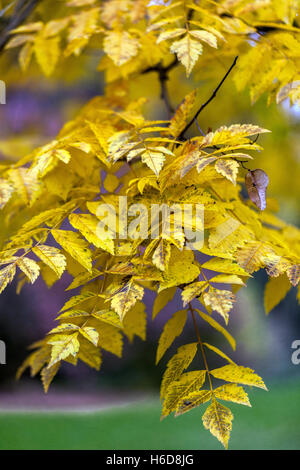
{"x": 256, "y": 183}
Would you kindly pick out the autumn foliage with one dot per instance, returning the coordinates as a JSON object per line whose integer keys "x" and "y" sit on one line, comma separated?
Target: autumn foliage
{"x": 49, "y": 198}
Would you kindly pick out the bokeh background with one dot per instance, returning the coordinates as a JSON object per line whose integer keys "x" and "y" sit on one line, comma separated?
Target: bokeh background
{"x": 128, "y": 389}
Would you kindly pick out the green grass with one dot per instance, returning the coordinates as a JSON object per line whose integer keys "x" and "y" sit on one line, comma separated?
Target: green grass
{"x": 271, "y": 423}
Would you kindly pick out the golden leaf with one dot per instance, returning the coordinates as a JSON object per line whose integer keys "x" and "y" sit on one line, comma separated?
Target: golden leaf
{"x": 192, "y": 400}
{"x": 6, "y": 276}
{"x": 62, "y": 347}
{"x": 120, "y": 46}
{"x": 75, "y": 246}
{"x": 177, "y": 364}
{"x": 172, "y": 329}
{"x": 232, "y": 392}
{"x": 52, "y": 257}
{"x": 221, "y": 301}
{"x": 180, "y": 389}
{"x": 87, "y": 225}
{"x": 275, "y": 290}
{"x": 126, "y": 297}
{"x": 228, "y": 168}
{"x": 187, "y": 51}
{"x": 238, "y": 374}
{"x": 218, "y": 327}
{"x": 218, "y": 420}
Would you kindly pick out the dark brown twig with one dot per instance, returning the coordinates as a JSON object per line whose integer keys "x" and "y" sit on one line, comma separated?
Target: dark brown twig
{"x": 163, "y": 78}
{"x": 209, "y": 99}
{"x": 21, "y": 12}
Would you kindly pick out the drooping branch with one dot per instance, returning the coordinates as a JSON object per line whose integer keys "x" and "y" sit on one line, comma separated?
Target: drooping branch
{"x": 21, "y": 12}
{"x": 163, "y": 78}
{"x": 194, "y": 118}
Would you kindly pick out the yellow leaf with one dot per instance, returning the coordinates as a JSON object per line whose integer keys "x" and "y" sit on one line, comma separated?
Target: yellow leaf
{"x": 182, "y": 114}
{"x": 154, "y": 159}
{"x": 293, "y": 273}
{"x": 162, "y": 299}
{"x": 219, "y": 352}
{"x": 47, "y": 52}
{"x": 126, "y": 297}
{"x": 238, "y": 374}
{"x": 193, "y": 290}
{"x": 75, "y": 246}
{"x": 111, "y": 183}
{"x": 135, "y": 322}
{"x": 108, "y": 316}
{"x": 178, "y": 390}
{"x": 161, "y": 255}
{"x": 187, "y": 51}
{"x": 228, "y": 168}
{"x": 84, "y": 278}
{"x": 192, "y": 400}
{"x": 205, "y": 36}
{"x": 110, "y": 338}
{"x": 30, "y": 268}
{"x": 275, "y": 290}
{"x": 181, "y": 269}
{"x": 224, "y": 266}
{"x": 62, "y": 347}
{"x": 78, "y": 299}
{"x": 25, "y": 183}
{"x": 255, "y": 255}
{"x": 218, "y": 420}
{"x": 90, "y": 354}
{"x": 172, "y": 329}
{"x": 177, "y": 364}
{"x": 87, "y": 225}
{"x": 90, "y": 334}
{"x": 218, "y": 327}
{"x": 48, "y": 374}
{"x": 221, "y": 301}
{"x": 120, "y": 46}
{"x": 232, "y": 392}
{"x": 6, "y": 191}
{"x": 52, "y": 257}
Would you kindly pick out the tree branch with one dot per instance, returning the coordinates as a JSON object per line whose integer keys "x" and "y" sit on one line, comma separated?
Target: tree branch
{"x": 209, "y": 99}
{"x": 21, "y": 12}
{"x": 163, "y": 78}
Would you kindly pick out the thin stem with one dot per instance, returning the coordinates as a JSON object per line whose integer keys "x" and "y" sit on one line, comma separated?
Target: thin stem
{"x": 163, "y": 78}
{"x": 21, "y": 12}
{"x": 201, "y": 346}
{"x": 209, "y": 99}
